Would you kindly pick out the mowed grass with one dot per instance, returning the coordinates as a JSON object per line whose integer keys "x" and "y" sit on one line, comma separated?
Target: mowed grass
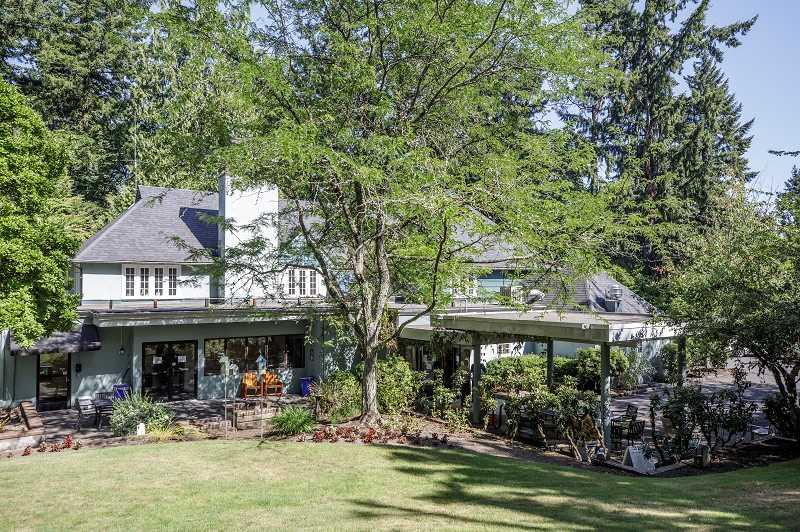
{"x": 246, "y": 485}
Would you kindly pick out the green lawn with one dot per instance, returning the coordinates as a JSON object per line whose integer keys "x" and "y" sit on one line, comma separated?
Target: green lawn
{"x": 241, "y": 484}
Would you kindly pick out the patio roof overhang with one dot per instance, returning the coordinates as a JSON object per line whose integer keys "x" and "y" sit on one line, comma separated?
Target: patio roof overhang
{"x": 570, "y": 326}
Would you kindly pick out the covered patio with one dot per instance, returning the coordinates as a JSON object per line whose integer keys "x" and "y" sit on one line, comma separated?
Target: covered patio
{"x": 603, "y": 329}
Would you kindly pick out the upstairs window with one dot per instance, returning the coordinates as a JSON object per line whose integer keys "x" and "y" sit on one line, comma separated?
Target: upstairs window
{"x": 158, "y": 285}
{"x": 312, "y": 282}
{"x": 173, "y": 281}
{"x": 130, "y": 281}
{"x": 292, "y": 282}
{"x": 302, "y": 282}
{"x": 144, "y": 281}
{"x": 150, "y": 281}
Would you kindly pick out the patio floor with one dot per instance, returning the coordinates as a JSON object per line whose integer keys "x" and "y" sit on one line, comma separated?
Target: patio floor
{"x": 59, "y": 423}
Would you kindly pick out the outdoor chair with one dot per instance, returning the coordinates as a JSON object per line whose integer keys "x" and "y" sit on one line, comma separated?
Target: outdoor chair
{"x": 85, "y": 410}
{"x": 618, "y": 426}
{"x": 250, "y": 385}
{"x": 635, "y": 432}
{"x": 271, "y": 384}
{"x": 630, "y": 415}
{"x": 103, "y": 410}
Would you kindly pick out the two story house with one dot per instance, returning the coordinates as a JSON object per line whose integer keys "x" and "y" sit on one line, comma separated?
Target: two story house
{"x": 154, "y": 316}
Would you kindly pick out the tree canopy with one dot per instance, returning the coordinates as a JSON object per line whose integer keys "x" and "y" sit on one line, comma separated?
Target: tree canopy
{"x": 405, "y": 141}
{"x": 666, "y": 128}
{"x": 739, "y": 292}
{"x": 37, "y": 239}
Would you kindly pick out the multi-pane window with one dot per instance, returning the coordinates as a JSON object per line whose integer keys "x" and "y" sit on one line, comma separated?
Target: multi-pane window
{"x": 144, "y": 281}
{"x": 130, "y": 281}
{"x": 302, "y": 283}
{"x": 503, "y": 349}
{"x": 312, "y": 282}
{"x": 153, "y": 280}
{"x": 173, "y": 281}
{"x": 277, "y": 352}
{"x": 292, "y": 282}
{"x": 158, "y": 284}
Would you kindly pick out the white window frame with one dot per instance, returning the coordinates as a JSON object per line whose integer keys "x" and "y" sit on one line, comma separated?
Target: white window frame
{"x": 312, "y": 282}
{"x": 144, "y": 281}
{"x": 292, "y": 282}
{"x": 158, "y": 281}
{"x": 172, "y": 288}
{"x": 302, "y": 282}
{"x": 129, "y": 289}
{"x": 150, "y": 284}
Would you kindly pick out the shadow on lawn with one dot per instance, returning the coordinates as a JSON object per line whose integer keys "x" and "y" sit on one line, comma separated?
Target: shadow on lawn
{"x": 533, "y": 496}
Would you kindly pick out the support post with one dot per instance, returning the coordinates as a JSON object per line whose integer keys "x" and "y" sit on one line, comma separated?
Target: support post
{"x": 476, "y": 378}
{"x": 550, "y": 364}
{"x": 681, "y": 360}
{"x": 605, "y": 392}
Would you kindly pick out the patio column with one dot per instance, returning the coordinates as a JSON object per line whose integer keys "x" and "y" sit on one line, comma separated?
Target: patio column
{"x": 681, "y": 360}
{"x": 476, "y": 378}
{"x": 550, "y": 364}
{"x": 605, "y": 391}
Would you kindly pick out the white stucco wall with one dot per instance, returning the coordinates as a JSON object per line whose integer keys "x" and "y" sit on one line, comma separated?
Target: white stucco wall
{"x": 242, "y": 207}
{"x": 104, "y": 281}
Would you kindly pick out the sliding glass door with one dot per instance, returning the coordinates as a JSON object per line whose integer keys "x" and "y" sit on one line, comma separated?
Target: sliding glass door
{"x": 169, "y": 370}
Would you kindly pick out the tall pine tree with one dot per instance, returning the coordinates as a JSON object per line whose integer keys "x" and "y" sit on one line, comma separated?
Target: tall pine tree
{"x": 74, "y": 60}
{"x": 670, "y": 139}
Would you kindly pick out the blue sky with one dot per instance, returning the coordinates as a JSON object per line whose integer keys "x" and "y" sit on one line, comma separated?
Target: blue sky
{"x": 764, "y": 75}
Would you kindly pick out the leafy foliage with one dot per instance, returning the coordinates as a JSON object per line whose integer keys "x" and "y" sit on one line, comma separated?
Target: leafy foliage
{"x": 36, "y": 240}
{"x": 398, "y": 384}
{"x": 338, "y": 395}
{"x": 293, "y": 420}
{"x": 588, "y": 367}
{"x": 136, "y": 408}
{"x": 740, "y": 292}
{"x": 76, "y": 61}
{"x": 393, "y": 134}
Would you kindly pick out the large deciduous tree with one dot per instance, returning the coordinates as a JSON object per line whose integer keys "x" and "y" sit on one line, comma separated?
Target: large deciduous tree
{"x": 405, "y": 139}
{"x": 740, "y": 292}
{"x": 36, "y": 237}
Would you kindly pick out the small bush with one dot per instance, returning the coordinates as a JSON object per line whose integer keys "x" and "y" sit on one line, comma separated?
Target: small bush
{"x": 588, "y": 367}
{"x": 398, "y": 385}
{"x": 135, "y": 409}
{"x": 338, "y": 396}
{"x": 784, "y": 416}
{"x": 293, "y": 420}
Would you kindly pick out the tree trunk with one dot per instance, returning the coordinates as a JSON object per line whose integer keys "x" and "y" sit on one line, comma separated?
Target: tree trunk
{"x": 370, "y": 414}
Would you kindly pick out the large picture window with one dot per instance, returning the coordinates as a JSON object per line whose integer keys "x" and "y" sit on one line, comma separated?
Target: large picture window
{"x": 280, "y": 351}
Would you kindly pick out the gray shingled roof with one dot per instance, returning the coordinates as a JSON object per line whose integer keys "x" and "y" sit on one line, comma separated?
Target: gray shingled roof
{"x": 143, "y": 232}
{"x": 591, "y": 293}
